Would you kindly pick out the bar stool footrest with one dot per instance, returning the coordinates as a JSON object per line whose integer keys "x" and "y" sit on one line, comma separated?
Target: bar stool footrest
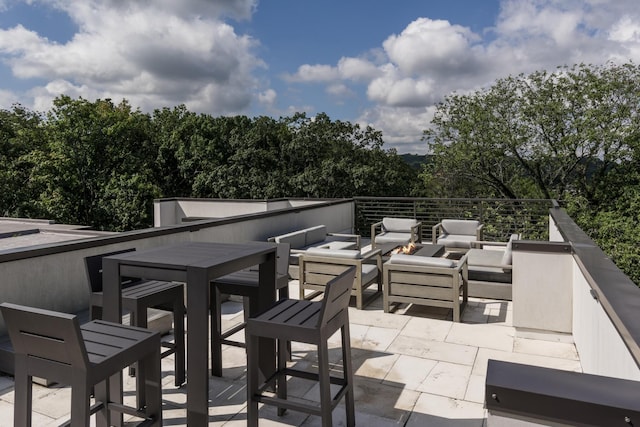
{"x": 312, "y": 408}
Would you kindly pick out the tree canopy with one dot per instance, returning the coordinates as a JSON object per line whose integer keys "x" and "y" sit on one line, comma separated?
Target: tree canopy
{"x": 102, "y": 164}
{"x": 571, "y": 135}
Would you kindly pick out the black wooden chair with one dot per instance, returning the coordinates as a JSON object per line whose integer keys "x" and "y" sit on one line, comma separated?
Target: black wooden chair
{"x": 242, "y": 283}
{"x": 137, "y": 297}
{"x": 311, "y": 322}
{"x": 54, "y": 346}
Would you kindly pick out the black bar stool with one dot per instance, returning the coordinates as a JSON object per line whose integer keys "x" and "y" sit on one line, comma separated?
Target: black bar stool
{"x": 242, "y": 283}
{"x": 137, "y": 297}
{"x": 309, "y": 322}
{"x": 54, "y": 346}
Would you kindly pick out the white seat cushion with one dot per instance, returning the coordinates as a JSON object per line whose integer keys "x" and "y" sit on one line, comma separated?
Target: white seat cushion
{"x": 421, "y": 260}
{"x": 337, "y": 253}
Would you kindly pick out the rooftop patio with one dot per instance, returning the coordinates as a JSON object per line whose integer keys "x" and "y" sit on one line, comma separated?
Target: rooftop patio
{"x": 572, "y": 311}
{"x": 414, "y": 367}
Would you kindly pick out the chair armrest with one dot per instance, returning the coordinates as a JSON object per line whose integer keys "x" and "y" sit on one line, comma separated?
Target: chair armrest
{"x": 416, "y": 232}
{"x": 373, "y": 233}
{"x": 373, "y": 256}
{"x": 479, "y": 231}
{"x": 324, "y": 259}
{"x": 434, "y": 232}
{"x": 479, "y": 244}
{"x": 355, "y": 237}
{"x": 462, "y": 263}
{"x": 372, "y": 253}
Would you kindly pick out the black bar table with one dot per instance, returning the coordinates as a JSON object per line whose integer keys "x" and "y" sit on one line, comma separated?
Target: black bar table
{"x": 196, "y": 264}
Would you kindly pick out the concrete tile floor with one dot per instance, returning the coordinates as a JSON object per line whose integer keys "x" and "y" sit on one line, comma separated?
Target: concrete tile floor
{"x": 413, "y": 367}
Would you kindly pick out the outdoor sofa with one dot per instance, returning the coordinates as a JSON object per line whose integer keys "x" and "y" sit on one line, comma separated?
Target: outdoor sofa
{"x": 314, "y": 237}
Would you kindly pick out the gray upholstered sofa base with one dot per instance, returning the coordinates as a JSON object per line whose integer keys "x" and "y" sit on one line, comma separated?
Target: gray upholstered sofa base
{"x": 314, "y": 237}
{"x": 490, "y": 290}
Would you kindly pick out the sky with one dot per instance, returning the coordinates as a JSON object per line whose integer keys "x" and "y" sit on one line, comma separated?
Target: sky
{"x": 385, "y": 64}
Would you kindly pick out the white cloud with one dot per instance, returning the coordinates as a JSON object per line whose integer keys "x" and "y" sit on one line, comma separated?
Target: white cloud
{"x": 626, "y": 30}
{"x": 339, "y": 90}
{"x": 402, "y": 127}
{"x": 165, "y": 52}
{"x": 357, "y": 69}
{"x": 268, "y": 97}
{"x": 432, "y": 58}
{"x": 152, "y": 53}
{"x": 314, "y": 73}
{"x": 427, "y": 44}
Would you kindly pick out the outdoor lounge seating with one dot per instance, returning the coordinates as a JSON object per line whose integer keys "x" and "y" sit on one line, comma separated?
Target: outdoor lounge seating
{"x": 437, "y": 282}
{"x": 242, "y": 283}
{"x": 490, "y": 269}
{"x": 396, "y": 230}
{"x": 311, "y": 322}
{"x": 318, "y": 266}
{"x": 314, "y": 237}
{"x": 54, "y": 346}
{"x": 138, "y": 296}
{"x": 457, "y": 234}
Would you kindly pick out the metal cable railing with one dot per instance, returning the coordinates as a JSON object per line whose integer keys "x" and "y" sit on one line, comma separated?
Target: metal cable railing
{"x": 501, "y": 217}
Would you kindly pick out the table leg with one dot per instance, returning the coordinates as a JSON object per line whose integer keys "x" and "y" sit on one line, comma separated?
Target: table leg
{"x": 267, "y": 297}
{"x": 112, "y": 312}
{"x": 197, "y": 347}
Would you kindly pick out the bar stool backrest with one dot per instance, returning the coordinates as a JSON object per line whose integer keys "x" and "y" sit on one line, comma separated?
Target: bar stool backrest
{"x": 48, "y": 339}
{"x": 93, "y": 265}
{"x": 335, "y": 302}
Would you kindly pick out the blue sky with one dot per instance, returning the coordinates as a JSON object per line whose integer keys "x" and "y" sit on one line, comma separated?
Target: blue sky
{"x": 381, "y": 63}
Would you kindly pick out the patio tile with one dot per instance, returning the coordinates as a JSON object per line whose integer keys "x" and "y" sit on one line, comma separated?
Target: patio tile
{"x": 425, "y": 311}
{"x": 546, "y": 348}
{"x": 409, "y": 372}
{"x": 427, "y": 329}
{"x": 362, "y": 419}
{"x": 377, "y": 317}
{"x": 369, "y": 337}
{"x": 447, "y": 379}
{"x": 413, "y": 367}
{"x": 383, "y": 400}
{"x": 485, "y": 336}
{"x": 442, "y": 351}
{"x": 38, "y": 419}
{"x": 475, "y": 314}
{"x": 372, "y": 364}
{"x": 480, "y": 366}
{"x": 475, "y": 389}
{"x": 438, "y": 411}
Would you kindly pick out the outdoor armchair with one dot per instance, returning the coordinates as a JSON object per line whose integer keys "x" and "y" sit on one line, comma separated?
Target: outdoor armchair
{"x": 318, "y": 266}
{"x": 430, "y": 281}
{"x": 490, "y": 269}
{"x": 392, "y": 230}
{"x": 457, "y": 234}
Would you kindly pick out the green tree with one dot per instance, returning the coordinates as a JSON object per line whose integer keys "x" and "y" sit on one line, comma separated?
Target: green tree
{"x": 98, "y": 169}
{"x": 539, "y": 135}
{"x": 571, "y": 135}
{"x": 21, "y": 134}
